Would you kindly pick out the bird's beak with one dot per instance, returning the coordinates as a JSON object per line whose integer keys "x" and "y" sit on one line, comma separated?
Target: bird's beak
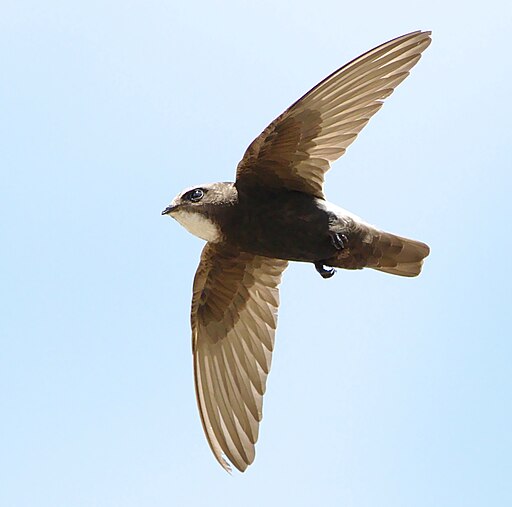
{"x": 169, "y": 209}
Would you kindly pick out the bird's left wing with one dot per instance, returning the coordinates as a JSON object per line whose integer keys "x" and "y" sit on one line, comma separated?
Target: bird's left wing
{"x": 296, "y": 149}
{"x": 233, "y": 317}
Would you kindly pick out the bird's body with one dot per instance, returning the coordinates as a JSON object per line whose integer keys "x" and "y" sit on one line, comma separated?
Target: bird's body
{"x": 282, "y": 224}
{"x": 276, "y": 212}
{"x": 296, "y": 226}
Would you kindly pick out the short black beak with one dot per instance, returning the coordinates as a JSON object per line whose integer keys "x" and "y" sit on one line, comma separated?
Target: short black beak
{"x": 168, "y": 210}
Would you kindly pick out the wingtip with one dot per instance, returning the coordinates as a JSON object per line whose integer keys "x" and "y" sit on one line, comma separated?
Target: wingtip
{"x": 225, "y": 465}
{"x": 422, "y": 34}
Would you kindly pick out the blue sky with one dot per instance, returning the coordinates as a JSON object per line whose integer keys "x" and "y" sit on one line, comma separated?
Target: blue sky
{"x": 384, "y": 391}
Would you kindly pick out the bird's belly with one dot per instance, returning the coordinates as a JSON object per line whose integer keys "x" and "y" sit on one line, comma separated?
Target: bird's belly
{"x": 293, "y": 247}
{"x": 290, "y": 230}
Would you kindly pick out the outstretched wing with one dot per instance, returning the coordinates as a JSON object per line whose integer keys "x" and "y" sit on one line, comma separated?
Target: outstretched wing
{"x": 234, "y": 317}
{"x": 296, "y": 149}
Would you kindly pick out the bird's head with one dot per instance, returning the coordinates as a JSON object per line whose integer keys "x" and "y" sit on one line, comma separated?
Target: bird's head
{"x": 197, "y": 209}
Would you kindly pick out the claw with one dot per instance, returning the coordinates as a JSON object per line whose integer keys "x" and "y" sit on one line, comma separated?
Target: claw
{"x": 338, "y": 240}
{"x": 324, "y": 273}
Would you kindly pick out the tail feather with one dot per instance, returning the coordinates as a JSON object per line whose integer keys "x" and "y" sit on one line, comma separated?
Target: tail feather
{"x": 400, "y": 256}
{"x": 383, "y": 251}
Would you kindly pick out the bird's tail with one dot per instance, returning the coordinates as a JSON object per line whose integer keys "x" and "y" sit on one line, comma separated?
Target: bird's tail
{"x": 385, "y": 252}
{"x": 408, "y": 261}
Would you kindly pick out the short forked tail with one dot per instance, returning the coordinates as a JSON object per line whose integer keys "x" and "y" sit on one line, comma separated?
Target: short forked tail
{"x": 382, "y": 251}
{"x": 401, "y": 256}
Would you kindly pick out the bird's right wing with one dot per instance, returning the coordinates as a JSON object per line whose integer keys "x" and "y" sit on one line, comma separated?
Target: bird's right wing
{"x": 296, "y": 149}
{"x": 233, "y": 317}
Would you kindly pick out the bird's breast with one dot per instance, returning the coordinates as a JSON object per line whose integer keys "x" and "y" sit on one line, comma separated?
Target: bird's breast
{"x": 289, "y": 226}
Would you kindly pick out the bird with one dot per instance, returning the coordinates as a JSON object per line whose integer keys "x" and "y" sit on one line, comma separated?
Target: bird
{"x": 275, "y": 212}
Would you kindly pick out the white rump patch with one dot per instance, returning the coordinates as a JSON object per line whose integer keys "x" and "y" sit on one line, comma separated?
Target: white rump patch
{"x": 340, "y": 212}
{"x": 198, "y": 225}
{"x": 345, "y": 214}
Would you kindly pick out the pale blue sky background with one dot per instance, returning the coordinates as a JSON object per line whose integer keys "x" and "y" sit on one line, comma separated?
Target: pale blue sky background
{"x": 384, "y": 391}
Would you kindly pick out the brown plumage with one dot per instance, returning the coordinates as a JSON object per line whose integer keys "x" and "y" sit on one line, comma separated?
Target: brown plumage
{"x": 234, "y": 317}
{"x": 382, "y": 251}
{"x": 273, "y": 213}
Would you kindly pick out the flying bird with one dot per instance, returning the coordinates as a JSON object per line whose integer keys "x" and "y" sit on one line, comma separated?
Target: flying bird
{"x": 276, "y": 212}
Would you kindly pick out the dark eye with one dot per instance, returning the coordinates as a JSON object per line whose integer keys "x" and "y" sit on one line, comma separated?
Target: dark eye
{"x": 194, "y": 195}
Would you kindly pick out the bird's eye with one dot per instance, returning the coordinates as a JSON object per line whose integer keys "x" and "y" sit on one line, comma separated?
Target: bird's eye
{"x": 195, "y": 195}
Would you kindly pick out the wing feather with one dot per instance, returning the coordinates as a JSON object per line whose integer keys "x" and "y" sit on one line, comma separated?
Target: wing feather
{"x": 234, "y": 313}
{"x": 295, "y": 150}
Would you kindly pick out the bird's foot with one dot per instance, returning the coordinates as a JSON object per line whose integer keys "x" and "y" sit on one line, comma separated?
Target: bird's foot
{"x": 338, "y": 240}
{"x": 324, "y": 273}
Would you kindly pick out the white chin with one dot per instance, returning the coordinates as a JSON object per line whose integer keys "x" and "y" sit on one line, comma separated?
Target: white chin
{"x": 198, "y": 225}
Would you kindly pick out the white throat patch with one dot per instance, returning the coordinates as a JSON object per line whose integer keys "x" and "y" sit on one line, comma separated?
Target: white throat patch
{"x": 198, "y": 225}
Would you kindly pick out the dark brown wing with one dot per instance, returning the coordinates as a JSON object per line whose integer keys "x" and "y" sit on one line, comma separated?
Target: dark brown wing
{"x": 295, "y": 150}
{"x": 234, "y": 317}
